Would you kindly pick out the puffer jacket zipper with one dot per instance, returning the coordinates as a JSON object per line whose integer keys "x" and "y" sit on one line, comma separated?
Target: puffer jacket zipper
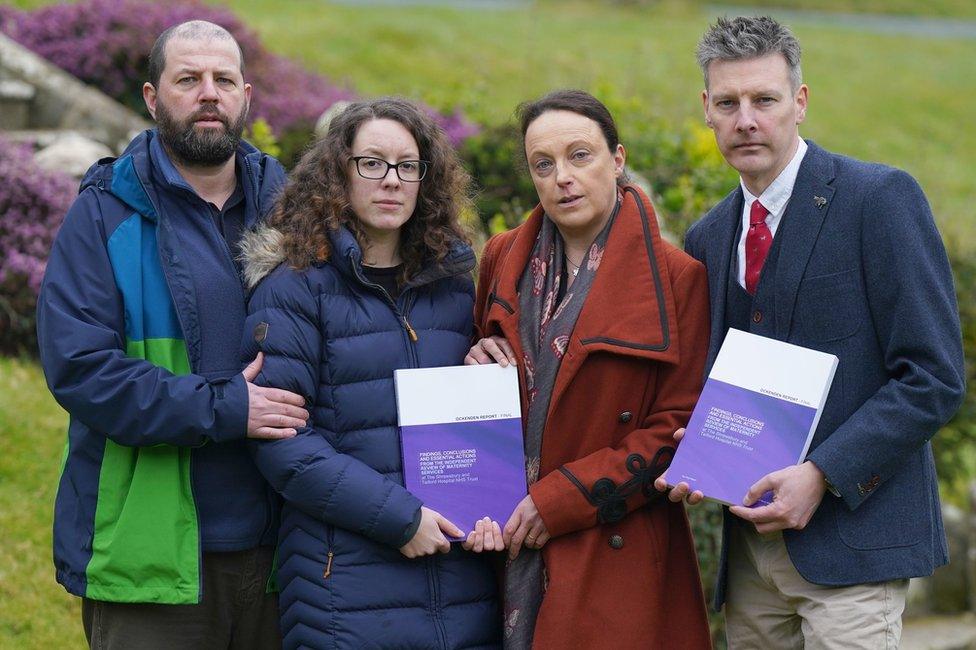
{"x": 407, "y": 298}
{"x": 435, "y": 604}
{"x": 401, "y": 315}
{"x": 330, "y": 555}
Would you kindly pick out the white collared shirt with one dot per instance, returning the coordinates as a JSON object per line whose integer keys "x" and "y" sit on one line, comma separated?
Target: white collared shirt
{"x": 774, "y": 198}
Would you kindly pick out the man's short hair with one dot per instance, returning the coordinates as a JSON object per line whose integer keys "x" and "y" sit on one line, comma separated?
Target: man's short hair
{"x": 192, "y": 29}
{"x": 749, "y": 37}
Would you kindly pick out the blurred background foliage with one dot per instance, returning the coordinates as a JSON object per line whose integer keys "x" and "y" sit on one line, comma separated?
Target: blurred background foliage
{"x": 902, "y": 98}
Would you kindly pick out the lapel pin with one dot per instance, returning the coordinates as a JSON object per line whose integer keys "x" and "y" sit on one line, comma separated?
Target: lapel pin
{"x": 819, "y": 201}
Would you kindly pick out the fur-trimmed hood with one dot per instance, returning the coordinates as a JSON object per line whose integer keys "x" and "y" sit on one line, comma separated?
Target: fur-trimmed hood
{"x": 262, "y": 250}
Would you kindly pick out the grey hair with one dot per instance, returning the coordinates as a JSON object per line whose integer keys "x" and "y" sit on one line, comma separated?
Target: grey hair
{"x": 749, "y": 37}
{"x": 189, "y": 30}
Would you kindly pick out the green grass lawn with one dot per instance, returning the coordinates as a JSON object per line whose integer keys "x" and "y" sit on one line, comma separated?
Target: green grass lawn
{"x": 35, "y": 612}
{"x": 902, "y": 100}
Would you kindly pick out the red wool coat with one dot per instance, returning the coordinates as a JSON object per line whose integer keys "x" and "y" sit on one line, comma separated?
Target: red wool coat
{"x": 622, "y": 571}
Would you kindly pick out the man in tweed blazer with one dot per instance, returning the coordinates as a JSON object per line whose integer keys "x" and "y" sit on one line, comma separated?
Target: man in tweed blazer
{"x": 841, "y": 256}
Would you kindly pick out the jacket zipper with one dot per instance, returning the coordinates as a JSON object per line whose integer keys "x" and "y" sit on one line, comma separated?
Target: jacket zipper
{"x": 229, "y": 257}
{"x": 407, "y": 297}
{"x": 435, "y": 600}
{"x": 166, "y": 261}
{"x": 196, "y": 509}
{"x": 247, "y": 177}
{"x": 411, "y": 334}
{"x": 330, "y": 539}
{"x": 401, "y": 315}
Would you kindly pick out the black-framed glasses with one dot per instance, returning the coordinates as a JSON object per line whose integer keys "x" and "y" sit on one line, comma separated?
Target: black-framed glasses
{"x": 408, "y": 171}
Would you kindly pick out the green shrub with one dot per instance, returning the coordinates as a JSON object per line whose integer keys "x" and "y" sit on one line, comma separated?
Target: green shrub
{"x": 706, "y": 524}
{"x": 262, "y": 136}
{"x": 683, "y": 166}
{"x": 682, "y": 163}
{"x": 955, "y": 444}
{"x": 685, "y": 169}
{"x": 505, "y": 193}
{"x": 293, "y": 143}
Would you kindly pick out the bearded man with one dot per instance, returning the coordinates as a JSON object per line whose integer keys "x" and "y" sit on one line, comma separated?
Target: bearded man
{"x": 162, "y": 523}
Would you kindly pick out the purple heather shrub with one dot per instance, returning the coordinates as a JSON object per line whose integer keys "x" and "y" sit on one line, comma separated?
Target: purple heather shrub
{"x": 33, "y": 203}
{"x": 288, "y": 96}
{"x": 457, "y": 127}
{"x": 106, "y": 43}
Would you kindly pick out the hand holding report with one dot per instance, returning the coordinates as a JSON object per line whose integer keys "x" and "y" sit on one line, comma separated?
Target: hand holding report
{"x": 461, "y": 438}
{"x": 682, "y": 491}
{"x": 798, "y": 491}
{"x": 757, "y": 414}
{"x": 486, "y": 537}
{"x": 432, "y": 535}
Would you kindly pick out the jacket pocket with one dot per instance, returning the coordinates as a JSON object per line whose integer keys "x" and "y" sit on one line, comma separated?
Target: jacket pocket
{"x": 829, "y": 306}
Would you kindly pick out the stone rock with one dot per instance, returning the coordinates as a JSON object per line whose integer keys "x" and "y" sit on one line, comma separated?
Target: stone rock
{"x": 645, "y": 185}
{"x": 322, "y": 124}
{"x": 15, "y": 101}
{"x": 62, "y": 102}
{"x": 71, "y": 153}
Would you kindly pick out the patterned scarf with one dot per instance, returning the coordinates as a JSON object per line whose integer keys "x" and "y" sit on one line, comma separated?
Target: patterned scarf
{"x": 544, "y": 329}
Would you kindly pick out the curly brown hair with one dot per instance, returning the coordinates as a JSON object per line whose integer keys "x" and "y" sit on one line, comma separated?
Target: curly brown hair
{"x": 316, "y": 198}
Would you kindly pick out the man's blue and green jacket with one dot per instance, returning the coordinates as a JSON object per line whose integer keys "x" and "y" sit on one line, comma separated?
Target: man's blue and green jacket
{"x": 139, "y": 326}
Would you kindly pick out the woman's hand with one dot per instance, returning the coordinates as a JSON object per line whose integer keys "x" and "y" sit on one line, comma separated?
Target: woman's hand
{"x": 429, "y": 538}
{"x": 682, "y": 491}
{"x": 525, "y": 526}
{"x": 486, "y": 536}
{"x": 494, "y": 349}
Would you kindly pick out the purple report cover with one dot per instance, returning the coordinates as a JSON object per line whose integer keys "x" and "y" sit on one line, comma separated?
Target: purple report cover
{"x": 466, "y": 470}
{"x": 735, "y": 437}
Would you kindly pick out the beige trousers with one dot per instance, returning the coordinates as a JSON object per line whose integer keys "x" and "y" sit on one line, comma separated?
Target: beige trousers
{"x": 771, "y": 606}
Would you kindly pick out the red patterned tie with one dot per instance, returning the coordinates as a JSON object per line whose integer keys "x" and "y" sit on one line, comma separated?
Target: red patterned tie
{"x": 758, "y": 241}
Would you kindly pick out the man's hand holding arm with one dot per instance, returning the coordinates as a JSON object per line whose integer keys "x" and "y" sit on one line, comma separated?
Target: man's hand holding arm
{"x": 82, "y": 340}
{"x": 272, "y": 413}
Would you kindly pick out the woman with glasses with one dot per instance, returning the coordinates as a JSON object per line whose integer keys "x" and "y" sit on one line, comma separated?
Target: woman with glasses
{"x": 362, "y": 269}
{"x": 608, "y": 325}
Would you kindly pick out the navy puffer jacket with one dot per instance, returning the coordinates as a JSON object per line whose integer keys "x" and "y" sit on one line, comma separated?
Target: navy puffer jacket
{"x": 330, "y": 335}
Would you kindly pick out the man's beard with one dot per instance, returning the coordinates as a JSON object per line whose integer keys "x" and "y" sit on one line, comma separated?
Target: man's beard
{"x": 199, "y": 148}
